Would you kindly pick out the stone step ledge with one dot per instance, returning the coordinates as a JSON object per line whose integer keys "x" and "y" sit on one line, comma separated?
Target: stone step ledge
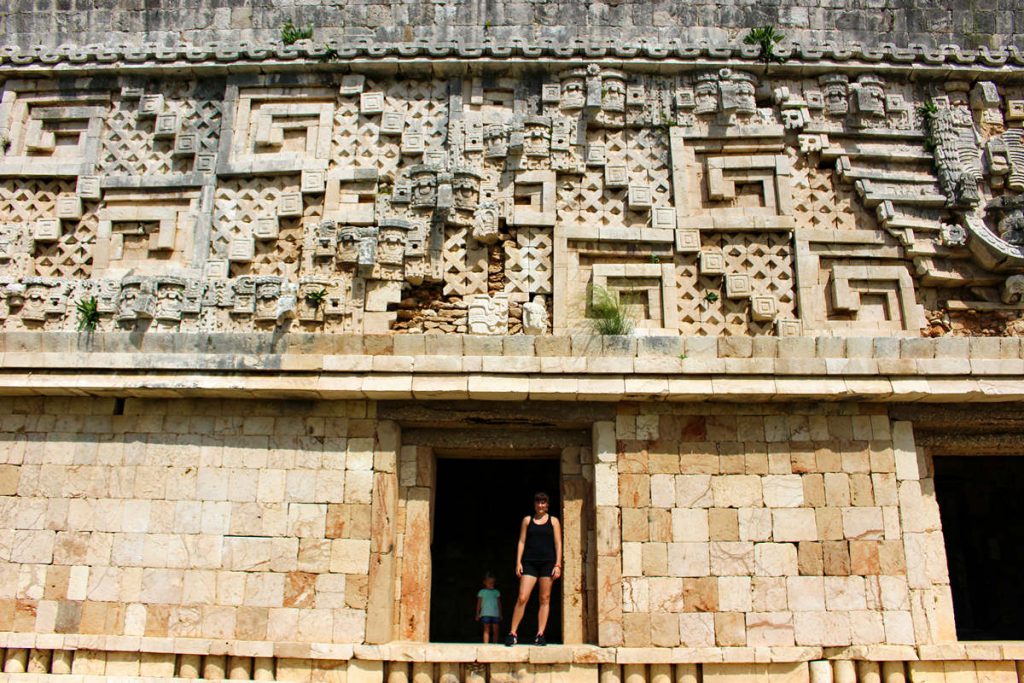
{"x": 552, "y": 654}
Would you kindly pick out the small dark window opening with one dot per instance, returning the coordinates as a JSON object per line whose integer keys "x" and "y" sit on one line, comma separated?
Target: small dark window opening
{"x": 118, "y": 406}
{"x": 981, "y": 502}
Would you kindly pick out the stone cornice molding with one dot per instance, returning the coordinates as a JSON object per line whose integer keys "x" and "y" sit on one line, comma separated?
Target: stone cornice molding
{"x": 799, "y": 56}
{"x": 514, "y": 368}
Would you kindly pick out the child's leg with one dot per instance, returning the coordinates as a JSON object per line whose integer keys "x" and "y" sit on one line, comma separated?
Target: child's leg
{"x": 487, "y": 632}
{"x": 494, "y": 633}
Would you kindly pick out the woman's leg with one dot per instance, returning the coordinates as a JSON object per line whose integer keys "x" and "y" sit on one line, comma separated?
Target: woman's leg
{"x": 545, "y": 604}
{"x": 526, "y": 584}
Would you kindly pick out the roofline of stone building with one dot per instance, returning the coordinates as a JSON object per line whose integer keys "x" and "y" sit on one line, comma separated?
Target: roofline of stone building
{"x": 334, "y": 53}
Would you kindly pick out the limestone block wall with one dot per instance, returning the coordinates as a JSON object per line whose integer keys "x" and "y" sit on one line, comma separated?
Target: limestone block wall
{"x": 767, "y": 526}
{"x": 716, "y": 526}
{"x": 244, "y": 521}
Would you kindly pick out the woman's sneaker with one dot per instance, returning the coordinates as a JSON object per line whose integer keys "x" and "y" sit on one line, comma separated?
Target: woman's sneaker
{"x": 511, "y": 640}
{"x": 539, "y": 640}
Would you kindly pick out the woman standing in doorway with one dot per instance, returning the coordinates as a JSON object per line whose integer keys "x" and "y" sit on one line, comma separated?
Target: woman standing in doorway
{"x": 538, "y": 561}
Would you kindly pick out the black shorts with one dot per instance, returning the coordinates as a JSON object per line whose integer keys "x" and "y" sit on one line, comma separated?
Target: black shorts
{"x": 540, "y": 568}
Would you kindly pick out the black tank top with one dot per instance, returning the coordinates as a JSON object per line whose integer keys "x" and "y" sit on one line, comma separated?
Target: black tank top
{"x": 540, "y": 542}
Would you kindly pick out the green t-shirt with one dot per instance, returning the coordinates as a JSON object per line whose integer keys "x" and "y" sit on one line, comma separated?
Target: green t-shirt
{"x": 490, "y": 604}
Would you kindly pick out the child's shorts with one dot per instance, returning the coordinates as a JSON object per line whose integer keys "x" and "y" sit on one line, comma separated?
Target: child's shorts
{"x": 490, "y": 620}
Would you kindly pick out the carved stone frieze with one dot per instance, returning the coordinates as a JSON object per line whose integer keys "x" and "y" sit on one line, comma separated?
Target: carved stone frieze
{"x": 711, "y": 201}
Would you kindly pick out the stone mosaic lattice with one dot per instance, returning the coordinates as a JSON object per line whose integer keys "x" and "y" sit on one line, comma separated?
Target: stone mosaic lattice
{"x": 711, "y": 201}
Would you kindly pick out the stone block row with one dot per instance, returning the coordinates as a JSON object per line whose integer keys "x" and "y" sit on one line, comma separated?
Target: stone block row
{"x": 886, "y": 352}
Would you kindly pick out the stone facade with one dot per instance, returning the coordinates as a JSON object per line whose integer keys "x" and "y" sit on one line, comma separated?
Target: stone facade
{"x": 252, "y": 293}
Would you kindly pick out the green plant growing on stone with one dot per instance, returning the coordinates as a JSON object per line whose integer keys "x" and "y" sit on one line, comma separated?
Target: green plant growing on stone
{"x": 88, "y": 314}
{"x": 654, "y": 258}
{"x": 928, "y": 111}
{"x": 710, "y": 297}
{"x": 290, "y": 33}
{"x": 608, "y": 315}
{"x": 766, "y": 38}
{"x": 316, "y": 298}
{"x": 330, "y": 55}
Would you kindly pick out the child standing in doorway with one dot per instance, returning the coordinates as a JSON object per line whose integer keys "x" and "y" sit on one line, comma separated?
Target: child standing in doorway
{"x": 488, "y": 608}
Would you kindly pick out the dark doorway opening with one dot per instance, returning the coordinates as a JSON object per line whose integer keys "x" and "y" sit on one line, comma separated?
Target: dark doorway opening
{"x": 479, "y": 505}
{"x": 981, "y": 502}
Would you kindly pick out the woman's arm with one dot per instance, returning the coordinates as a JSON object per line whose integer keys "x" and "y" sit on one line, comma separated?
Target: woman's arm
{"x": 522, "y": 545}
{"x": 557, "y": 528}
